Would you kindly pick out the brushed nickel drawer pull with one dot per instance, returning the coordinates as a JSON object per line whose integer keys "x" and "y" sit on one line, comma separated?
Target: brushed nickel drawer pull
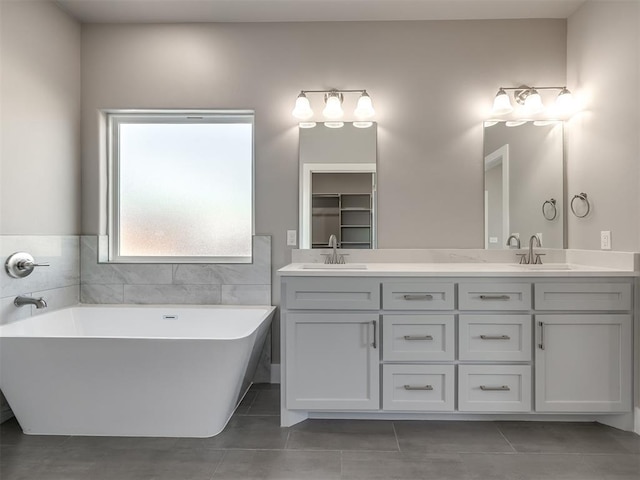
{"x": 495, "y": 337}
{"x": 417, "y": 296}
{"x": 418, "y": 337}
{"x": 375, "y": 334}
{"x": 541, "y": 344}
{"x": 495, "y": 297}
{"x": 421, "y": 387}
{"x": 501, "y": 388}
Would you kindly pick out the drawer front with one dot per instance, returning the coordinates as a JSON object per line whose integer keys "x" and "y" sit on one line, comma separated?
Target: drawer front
{"x": 417, "y": 296}
{"x": 494, "y": 296}
{"x": 330, "y": 293}
{"x": 494, "y": 388}
{"x": 418, "y": 337}
{"x": 418, "y": 387}
{"x": 583, "y": 296}
{"x": 495, "y": 337}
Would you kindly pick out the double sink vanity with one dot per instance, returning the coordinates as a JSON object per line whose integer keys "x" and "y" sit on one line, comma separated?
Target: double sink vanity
{"x": 464, "y": 339}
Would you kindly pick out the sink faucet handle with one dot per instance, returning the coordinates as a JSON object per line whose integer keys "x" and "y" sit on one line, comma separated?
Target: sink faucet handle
{"x": 523, "y": 258}
{"x": 538, "y": 260}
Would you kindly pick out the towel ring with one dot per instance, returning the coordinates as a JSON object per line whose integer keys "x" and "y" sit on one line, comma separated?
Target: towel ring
{"x": 583, "y": 197}
{"x": 552, "y": 203}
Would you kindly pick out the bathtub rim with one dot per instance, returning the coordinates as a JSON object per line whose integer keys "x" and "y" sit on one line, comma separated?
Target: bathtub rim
{"x": 267, "y": 316}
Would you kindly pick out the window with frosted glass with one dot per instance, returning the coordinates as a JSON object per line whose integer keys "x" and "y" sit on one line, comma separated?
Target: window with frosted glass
{"x": 182, "y": 188}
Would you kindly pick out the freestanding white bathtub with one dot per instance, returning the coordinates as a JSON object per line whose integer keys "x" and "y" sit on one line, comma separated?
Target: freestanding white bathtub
{"x": 161, "y": 371}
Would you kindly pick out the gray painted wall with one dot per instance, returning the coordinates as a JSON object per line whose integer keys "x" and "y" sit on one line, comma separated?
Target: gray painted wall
{"x": 603, "y": 141}
{"x": 39, "y": 120}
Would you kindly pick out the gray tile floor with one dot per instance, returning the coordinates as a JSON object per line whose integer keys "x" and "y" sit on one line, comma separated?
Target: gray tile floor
{"x": 254, "y": 446}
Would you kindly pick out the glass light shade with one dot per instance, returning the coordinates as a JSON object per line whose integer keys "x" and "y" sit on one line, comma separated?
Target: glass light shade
{"x": 533, "y": 102}
{"x": 307, "y": 124}
{"x": 333, "y": 109}
{"x": 515, "y": 123}
{"x": 501, "y": 104}
{"x": 364, "y": 108}
{"x": 302, "y": 110}
{"x": 565, "y": 100}
{"x": 334, "y": 124}
{"x": 362, "y": 124}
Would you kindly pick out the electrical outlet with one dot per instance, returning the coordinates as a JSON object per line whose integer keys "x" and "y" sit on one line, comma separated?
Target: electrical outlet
{"x": 292, "y": 238}
{"x": 605, "y": 240}
{"x": 493, "y": 239}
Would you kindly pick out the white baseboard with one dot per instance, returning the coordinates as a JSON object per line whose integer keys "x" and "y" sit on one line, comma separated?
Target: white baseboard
{"x": 275, "y": 373}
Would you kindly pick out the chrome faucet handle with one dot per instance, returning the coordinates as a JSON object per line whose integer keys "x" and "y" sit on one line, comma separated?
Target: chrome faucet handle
{"x": 327, "y": 257}
{"x": 21, "y": 264}
{"x": 538, "y": 260}
{"x": 523, "y": 258}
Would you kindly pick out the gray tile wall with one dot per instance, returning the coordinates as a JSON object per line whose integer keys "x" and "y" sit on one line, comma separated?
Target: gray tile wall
{"x": 197, "y": 284}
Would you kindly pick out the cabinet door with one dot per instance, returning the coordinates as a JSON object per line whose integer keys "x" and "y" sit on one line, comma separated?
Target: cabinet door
{"x": 332, "y": 361}
{"x": 583, "y": 363}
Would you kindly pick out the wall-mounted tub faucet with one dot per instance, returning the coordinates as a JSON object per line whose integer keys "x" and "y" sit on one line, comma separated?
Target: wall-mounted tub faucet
{"x": 21, "y": 264}
{"x": 21, "y": 301}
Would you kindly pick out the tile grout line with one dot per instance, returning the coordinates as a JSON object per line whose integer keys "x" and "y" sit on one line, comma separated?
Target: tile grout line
{"x": 395, "y": 434}
{"x": 506, "y": 439}
{"x": 286, "y": 442}
{"x": 224, "y": 455}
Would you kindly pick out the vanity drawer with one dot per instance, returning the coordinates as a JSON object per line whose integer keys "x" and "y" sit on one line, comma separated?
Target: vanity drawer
{"x": 417, "y": 296}
{"x": 418, "y": 337}
{"x": 418, "y": 387}
{"x": 330, "y": 293}
{"x": 495, "y": 337}
{"x": 494, "y": 388}
{"x": 494, "y": 296}
{"x": 583, "y": 296}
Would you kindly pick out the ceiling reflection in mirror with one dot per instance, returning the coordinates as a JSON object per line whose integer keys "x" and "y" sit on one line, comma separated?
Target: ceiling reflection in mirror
{"x": 524, "y": 183}
{"x": 338, "y": 186}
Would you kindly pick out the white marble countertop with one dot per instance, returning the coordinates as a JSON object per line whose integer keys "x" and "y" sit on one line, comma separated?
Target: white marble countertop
{"x": 451, "y": 270}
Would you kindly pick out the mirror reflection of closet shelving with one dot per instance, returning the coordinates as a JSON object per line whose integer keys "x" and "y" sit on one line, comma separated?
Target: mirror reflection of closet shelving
{"x": 345, "y": 212}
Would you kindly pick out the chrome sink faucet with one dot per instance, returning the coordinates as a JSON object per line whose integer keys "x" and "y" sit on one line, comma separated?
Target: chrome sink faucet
{"x": 533, "y": 258}
{"x": 21, "y": 301}
{"x": 334, "y": 257}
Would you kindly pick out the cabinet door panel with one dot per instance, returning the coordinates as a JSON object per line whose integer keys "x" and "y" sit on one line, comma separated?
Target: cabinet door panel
{"x": 332, "y": 293}
{"x": 418, "y": 387}
{"x": 583, "y": 363}
{"x": 332, "y": 363}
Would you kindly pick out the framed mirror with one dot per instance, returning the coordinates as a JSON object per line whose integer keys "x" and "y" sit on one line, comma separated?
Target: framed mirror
{"x": 338, "y": 186}
{"x": 524, "y": 183}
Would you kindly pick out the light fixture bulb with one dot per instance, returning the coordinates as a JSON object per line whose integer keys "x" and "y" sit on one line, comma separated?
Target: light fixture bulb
{"x": 302, "y": 110}
{"x": 333, "y": 109}
{"x": 564, "y": 101}
{"x": 364, "y": 108}
{"x": 501, "y": 104}
{"x": 533, "y": 102}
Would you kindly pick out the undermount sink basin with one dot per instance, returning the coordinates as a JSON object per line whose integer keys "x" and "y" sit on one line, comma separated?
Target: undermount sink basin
{"x": 334, "y": 266}
{"x": 545, "y": 266}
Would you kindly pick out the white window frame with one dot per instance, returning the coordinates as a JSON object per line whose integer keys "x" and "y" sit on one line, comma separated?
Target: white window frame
{"x": 113, "y": 120}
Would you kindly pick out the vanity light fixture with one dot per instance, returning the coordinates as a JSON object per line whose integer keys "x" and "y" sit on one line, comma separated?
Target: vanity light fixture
{"x": 530, "y": 99}
{"x": 333, "y": 110}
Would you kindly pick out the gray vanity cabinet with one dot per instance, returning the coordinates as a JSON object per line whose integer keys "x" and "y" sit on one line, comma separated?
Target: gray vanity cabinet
{"x": 393, "y": 347}
{"x": 332, "y": 346}
{"x": 583, "y": 347}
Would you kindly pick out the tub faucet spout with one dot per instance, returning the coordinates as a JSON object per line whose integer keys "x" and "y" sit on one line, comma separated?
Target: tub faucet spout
{"x": 21, "y": 301}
